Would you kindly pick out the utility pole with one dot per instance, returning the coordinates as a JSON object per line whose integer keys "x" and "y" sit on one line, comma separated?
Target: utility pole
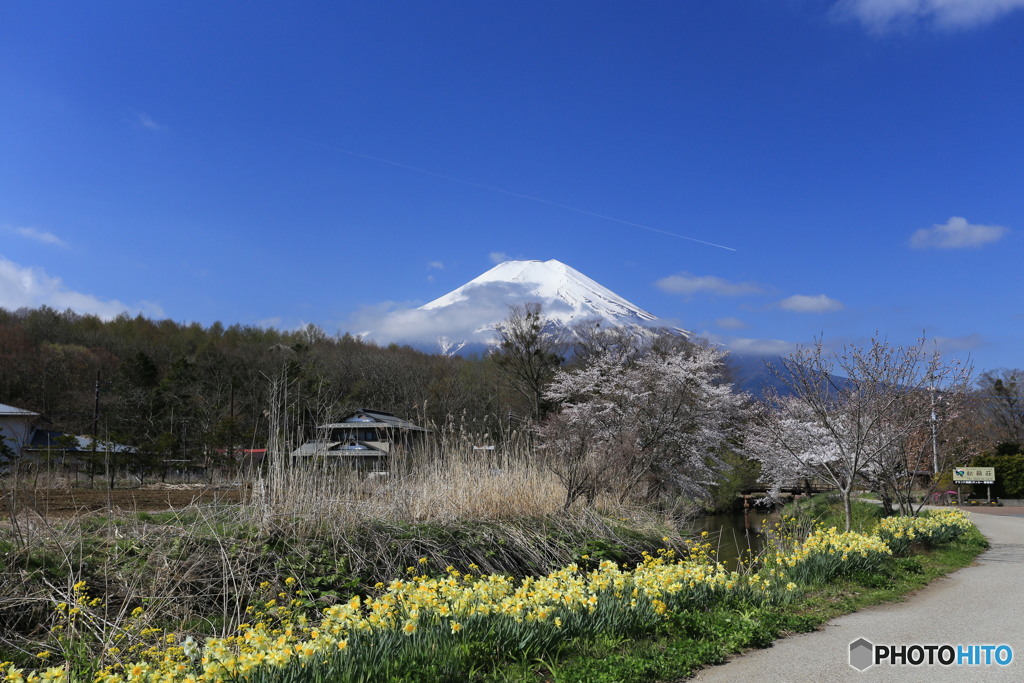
{"x": 96, "y": 409}
{"x": 935, "y": 440}
{"x": 231, "y": 424}
{"x": 95, "y": 435}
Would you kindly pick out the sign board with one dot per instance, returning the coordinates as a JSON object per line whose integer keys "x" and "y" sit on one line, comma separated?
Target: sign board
{"x": 974, "y": 475}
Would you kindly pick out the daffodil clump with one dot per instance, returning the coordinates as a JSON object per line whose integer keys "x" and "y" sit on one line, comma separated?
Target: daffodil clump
{"x": 81, "y": 621}
{"x": 828, "y": 553}
{"x": 934, "y": 528}
{"x": 813, "y": 555}
{"x": 420, "y": 617}
{"x": 446, "y": 621}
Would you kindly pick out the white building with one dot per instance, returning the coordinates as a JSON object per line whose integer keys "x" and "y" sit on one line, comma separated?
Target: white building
{"x": 363, "y": 439}
{"x": 16, "y": 427}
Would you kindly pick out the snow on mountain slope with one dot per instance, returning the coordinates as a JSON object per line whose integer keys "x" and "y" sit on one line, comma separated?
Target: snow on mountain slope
{"x": 567, "y": 294}
{"x": 464, "y": 320}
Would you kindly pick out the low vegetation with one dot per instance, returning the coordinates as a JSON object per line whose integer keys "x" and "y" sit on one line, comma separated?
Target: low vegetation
{"x": 194, "y": 571}
{"x": 678, "y": 609}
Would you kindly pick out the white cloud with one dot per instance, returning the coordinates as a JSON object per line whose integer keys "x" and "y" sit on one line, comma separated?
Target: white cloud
{"x": 437, "y": 265}
{"x": 688, "y": 284}
{"x": 273, "y": 321}
{"x": 882, "y": 15}
{"x": 26, "y": 287}
{"x": 35, "y": 234}
{"x": 803, "y": 303}
{"x": 464, "y": 320}
{"x": 957, "y": 233}
{"x": 966, "y": 343}
{"x": 143, "y": 120}
{"x": 730, "y": 323}
{"x": 498, "y": 257}
{"x": 748, "y": 346}
{"x": 389, "y": 322}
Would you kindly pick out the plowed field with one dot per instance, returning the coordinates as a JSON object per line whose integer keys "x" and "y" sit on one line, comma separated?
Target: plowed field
{"x": 71, "y": 502}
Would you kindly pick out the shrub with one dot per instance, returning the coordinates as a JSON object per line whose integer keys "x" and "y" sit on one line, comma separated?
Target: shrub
{"x": 1009, "y": 474}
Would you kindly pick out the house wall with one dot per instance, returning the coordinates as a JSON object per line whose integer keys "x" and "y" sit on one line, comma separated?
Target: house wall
{"x": 15, "y": 431}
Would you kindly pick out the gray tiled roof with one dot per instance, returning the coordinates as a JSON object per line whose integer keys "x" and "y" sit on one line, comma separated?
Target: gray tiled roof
{"x": 11, "y": 410}
{"x": 375, "y": 418}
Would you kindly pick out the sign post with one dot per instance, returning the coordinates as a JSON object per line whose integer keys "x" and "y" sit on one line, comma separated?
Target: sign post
{"x": 974, "y": 475}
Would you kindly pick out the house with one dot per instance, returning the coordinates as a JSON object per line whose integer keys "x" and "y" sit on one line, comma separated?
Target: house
{"x": 16, "y": 427}
{"x": 24, "y": 443}
{"x": 363, "y": 439}
{"x": 74, "y": 454}
{"x": 46, "y": 441}
{"x": 244, "y": 459}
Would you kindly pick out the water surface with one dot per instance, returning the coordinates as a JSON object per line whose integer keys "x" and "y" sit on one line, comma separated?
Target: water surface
{"x": 736, "y": 534}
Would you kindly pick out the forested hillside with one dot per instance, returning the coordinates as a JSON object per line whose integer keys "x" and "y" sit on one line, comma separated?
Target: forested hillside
{"x": 176, "y": 390}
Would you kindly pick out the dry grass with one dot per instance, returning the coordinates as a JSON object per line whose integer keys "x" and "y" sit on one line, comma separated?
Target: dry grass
{"x": 445, "y": 478}
{"x": 195, "y": 570}
{"x": 333, "y": 529}
{"x": 181, "y": 566}
{"x": 462, "y": 485}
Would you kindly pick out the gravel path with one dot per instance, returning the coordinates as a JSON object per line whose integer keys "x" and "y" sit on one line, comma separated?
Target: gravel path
{"x": 980, "y": 604}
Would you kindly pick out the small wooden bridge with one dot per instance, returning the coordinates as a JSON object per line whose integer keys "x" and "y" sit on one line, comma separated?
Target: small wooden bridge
{"x": 794, "y": 486}
{"x": 790, "y": 489}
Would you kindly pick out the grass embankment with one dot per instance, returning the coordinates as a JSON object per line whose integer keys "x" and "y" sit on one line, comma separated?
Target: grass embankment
{"x": 590, "y": 622}
{"x": 195, "y": 571}
{"x": 689, "y": 641}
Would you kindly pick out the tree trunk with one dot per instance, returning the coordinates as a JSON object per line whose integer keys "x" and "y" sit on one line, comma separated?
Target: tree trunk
{"x": 886, "y": 501}
{"x": 847, "y": 506}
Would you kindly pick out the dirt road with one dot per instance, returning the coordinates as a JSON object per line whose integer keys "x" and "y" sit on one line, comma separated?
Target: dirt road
{"x": 978, "y": 605}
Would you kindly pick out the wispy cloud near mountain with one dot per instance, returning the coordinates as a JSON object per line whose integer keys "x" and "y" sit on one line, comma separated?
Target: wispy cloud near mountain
{"x": 468, "y": 314}
{"x": 34, "y": 234}
{"x": 26, "y": 287}
{"x": 688, "y": 284}
{"x": 803, "y": 303}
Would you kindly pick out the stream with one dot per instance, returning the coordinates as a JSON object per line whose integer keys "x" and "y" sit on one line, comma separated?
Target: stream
{"x": 735, "y": 534}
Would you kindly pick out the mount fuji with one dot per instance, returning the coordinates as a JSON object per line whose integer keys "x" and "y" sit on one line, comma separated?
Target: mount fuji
{"x": 464, "y": 320}
{"x": 566, "y": 295}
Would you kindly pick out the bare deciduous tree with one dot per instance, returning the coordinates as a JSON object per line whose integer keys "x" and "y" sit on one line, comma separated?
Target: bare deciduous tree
{"x": 918, "y": 458}
{"x": 528, "y": 355}
{"x": 595, "y": 337}
{"x": 1001, "y": 394}
{"x": 853, "y": 416}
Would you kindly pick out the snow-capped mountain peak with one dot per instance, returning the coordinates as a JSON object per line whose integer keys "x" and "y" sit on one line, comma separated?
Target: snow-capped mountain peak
{"x": 566, "y": 294}
{"x": 465, "y": 319}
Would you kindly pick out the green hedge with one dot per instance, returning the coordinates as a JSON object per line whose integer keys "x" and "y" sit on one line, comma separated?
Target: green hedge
{"x": 1009, "y": 475}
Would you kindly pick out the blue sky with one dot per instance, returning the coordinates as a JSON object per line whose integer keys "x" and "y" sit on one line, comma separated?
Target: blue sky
{"x": 281, "y": 164}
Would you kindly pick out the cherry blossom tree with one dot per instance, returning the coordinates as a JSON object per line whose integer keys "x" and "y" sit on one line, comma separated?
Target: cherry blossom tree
{"x": 650, "y": 427}
{"x": 850, "y": 418}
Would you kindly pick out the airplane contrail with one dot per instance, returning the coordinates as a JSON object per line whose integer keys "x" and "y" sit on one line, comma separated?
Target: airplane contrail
{"x": 510, "y": 193}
